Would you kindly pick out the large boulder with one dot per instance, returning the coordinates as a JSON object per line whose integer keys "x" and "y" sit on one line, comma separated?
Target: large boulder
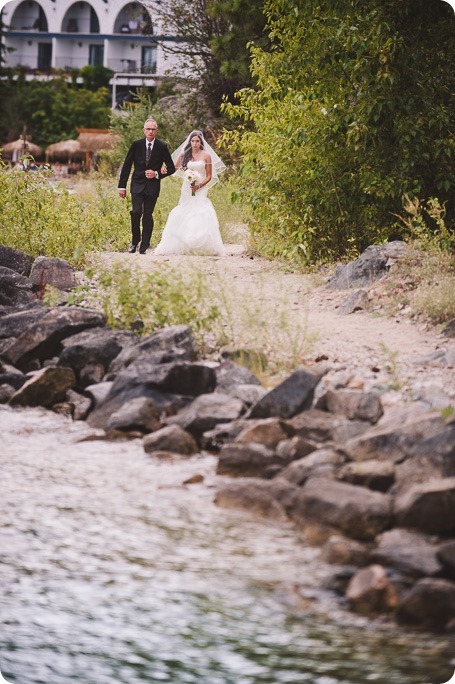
{"x": 372, "y": 264}
{"x": 52, "y": 271}
{"x": 357, "y": 511}
{"x": 171, "y": 385}
{"x": 353, "y": 404}
{"x": 16, "y": 260}
{"x": 291, "y": 396}
{"x": 171, "y": 438}
{"x": 248, "y": 460}
{"x": 207, "y": 411}
{"x": 42, "y": 338}
{"x": 410, "y": 432}
{"x": 46, "y": 387}
{"x": 175, "y": 343}
{"x": 95, "y": 347}
{"x": 268, "y": 498}
{"x": 370, "y": 591}
{"x": 320, "y": 426}
{"x": 413, "y": 554}
{"x": 320, "y": 462}
{"x": 428, "y": 507}
{"x": 15, "y": 289}
{"x": 430, "y": 603}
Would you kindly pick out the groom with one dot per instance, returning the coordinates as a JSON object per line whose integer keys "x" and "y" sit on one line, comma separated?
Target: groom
{"x": 152, "y": 162}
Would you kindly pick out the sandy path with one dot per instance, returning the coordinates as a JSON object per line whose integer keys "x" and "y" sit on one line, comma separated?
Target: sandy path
{"x": 291, "y": 306}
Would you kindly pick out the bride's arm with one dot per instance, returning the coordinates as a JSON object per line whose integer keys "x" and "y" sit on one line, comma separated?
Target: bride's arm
{"x": 178, "y": 163}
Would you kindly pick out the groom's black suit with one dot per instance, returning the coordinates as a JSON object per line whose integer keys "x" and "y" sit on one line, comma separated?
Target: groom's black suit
{"x": 144, "y": 191}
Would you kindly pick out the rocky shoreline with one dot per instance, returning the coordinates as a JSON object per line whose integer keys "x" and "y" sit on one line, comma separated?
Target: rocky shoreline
{"x": 377, "y": 480}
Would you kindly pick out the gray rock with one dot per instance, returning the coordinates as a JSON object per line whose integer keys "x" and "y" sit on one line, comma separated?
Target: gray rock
{"x": 449, "y": 330}
{"x": 248, "y": 460}
{"x": 90, "y": 349}
{"x": 376, "y": 475}
{"x": 52, "y": 271}
{"x": 262, "y": 497}
{"x": 356, "y": 511}
{"x": 16, "y": 260}
{"x": 207, "y": 411}
{"x": 357, "y": 301}
{"x": 248, "y": 394}
{"x": 140, "y": 414}
{"x": 171, "y": 438}
{"x": 229, "y": 375}
{"x": 342, "y": 551}
{"x": 164, "y": 383}
{"x": 372, "y": 264}
{"x": 295, "y": 448}
{"x": 353, "y": 404}
{"x": 320, "y": 426}
{"x": 266, "y": 431}
{"x": 411, "y": 553}
{"x": 411, "y": 432}
{"x": 320, "y": 462}
{"x": 99, "y": 392}
{"x": 430, "y": 603}
{"x": 42, "y": 338}
{"x": 80, "y": 403}
{"x": 291, "y": 396}
{"x": 370, "y": 591}
{"x": 15, "y": 289}
{"x": 222, "y": 433}
{"x": 446, "y": 557}
{"x": 175, "y": 343}
{"x": 45, "y": 388}
{"x": 428, "y": 507}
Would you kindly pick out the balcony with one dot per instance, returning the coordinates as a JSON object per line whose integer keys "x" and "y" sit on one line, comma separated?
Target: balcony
{"x": 130, "y": 66}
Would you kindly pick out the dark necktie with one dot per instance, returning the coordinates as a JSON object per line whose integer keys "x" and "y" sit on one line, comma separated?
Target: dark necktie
{"x": 149, "y": 152}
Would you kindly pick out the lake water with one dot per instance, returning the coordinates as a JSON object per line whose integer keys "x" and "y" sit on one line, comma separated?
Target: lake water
{"x": 114, "y": 571}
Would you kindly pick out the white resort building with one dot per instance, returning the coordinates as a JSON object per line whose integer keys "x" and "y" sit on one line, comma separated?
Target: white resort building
{"x": 42, "y": 36}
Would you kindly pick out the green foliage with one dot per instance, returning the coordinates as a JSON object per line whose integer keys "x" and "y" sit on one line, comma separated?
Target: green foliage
{"x": 95, "y": 77}
{"x": 154, "y": 299}
{"x": 44, "y": 218}
{"x": 352, "y": 112}
{"x": 213, "y": 38}
{"x": 52, "y": 110}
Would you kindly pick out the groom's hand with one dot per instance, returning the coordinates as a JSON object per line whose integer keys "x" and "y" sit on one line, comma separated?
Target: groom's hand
{"x": 122, "y": 194}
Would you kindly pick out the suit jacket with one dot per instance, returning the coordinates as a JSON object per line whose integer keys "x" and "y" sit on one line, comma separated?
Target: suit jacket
{"x": 136, "y": 158}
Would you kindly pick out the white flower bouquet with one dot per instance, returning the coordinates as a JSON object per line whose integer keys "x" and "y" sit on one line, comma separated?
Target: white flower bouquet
{"x": 193, "y": 177}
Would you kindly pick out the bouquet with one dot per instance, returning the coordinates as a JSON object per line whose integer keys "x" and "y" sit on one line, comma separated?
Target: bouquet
{"x": 193, "y": 177}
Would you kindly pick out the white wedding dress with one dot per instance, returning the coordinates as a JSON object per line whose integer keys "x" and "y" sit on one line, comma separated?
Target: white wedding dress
{"x": 192, "y": 226}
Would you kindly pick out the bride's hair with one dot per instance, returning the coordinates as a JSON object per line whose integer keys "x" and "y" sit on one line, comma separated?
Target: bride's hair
{"x": 188, "y": 152}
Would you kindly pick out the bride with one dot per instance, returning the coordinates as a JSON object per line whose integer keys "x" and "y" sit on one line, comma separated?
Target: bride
{"x": 192, "y": 226}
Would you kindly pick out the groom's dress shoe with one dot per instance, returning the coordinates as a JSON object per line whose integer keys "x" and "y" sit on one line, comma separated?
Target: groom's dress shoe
{"x": 142, "y": 250}
{"x": 132, "y": 249}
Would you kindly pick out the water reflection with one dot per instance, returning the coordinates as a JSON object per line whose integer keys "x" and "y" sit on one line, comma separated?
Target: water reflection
{"x": 112, "y": 571}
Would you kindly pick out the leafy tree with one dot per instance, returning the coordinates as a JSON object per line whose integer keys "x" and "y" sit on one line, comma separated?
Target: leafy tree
{"x": 211, "y": 39}
{"x": 52, "y": 110}
{"x": 95, "y": 77}
{"x": 353, "y": 111}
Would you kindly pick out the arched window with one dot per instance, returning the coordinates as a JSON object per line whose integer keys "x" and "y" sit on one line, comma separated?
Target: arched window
{"x": 29, "y": 16}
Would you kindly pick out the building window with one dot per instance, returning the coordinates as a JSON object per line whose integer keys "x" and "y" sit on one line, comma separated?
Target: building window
{"x": 96, "y": 55}
{"x": 94, "y": 23}
{"x": 44, "y": 56}
{"x": 148, "y": 60}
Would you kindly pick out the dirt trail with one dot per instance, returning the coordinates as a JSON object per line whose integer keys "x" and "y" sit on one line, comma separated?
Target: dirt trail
{"x": 370, "y": 345}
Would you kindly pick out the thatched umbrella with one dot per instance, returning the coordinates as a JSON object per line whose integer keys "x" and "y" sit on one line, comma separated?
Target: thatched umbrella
{"x": 15, "y": 149}
{"x": 65, "y": 150}
{"x": 93, "y": 140}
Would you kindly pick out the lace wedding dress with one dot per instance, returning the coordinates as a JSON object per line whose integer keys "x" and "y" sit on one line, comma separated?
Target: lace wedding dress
{"x": 192, "y": 226}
